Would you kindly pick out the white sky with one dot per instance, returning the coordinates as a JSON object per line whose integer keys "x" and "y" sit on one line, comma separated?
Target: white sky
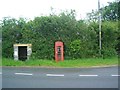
{"x": 32, "y": 8}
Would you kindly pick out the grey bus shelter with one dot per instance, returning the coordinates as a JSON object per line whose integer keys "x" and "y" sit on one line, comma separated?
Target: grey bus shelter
{"x": 22, "y": 51}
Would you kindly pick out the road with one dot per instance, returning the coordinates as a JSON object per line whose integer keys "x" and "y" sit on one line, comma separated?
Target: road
{"x": 21, "y": 77}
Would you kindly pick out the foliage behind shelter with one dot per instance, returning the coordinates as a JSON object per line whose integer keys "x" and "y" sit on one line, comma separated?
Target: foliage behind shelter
{"x": 80, "y": 38}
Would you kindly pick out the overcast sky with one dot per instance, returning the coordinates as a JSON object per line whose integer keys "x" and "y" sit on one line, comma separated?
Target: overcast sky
{"x": 32, "y": 8}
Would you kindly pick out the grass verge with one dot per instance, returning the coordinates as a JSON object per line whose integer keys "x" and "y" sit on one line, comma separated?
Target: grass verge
{"x": 65, "y": 63}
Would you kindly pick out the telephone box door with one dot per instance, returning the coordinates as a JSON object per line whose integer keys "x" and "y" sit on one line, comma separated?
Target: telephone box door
{"x": 59, "y": 51}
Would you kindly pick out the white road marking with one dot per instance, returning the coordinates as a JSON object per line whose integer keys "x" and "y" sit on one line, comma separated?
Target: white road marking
{"x": 115, "y": 75}
{"x": 0, "y": 72}
{"x": 59, "y": 75}
{"x": 23, "y": 74}
{"x": 88, "y": 75}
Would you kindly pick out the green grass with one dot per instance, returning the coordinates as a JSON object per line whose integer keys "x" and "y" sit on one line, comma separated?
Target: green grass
{"x": 0, "y": 62}
{"x": 66, "y": 63}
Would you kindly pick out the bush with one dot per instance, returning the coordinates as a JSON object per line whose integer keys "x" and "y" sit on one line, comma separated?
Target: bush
{"x": 80, "y": 39}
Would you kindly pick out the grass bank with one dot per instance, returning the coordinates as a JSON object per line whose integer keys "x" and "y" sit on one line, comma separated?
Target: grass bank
{"x": 65, "y": 63}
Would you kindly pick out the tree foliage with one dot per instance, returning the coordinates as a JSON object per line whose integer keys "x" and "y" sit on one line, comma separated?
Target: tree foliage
{"x": 80, "y": 39}
{"x": 108, "y": 13}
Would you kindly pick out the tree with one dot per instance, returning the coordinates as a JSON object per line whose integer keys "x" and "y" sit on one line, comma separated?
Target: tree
{"x": 80, "y": 38}
{"x": 108, "y": 13}
{"x": 11, "y": 34}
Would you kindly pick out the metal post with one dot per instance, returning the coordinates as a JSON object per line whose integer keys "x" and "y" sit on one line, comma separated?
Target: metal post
{"x": 99, "y": 20}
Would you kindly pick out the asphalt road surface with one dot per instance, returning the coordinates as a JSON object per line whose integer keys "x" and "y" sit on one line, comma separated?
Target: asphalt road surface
{"x": 21, "y": 77}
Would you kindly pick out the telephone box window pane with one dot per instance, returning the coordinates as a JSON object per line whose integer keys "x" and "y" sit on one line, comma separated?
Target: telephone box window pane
{"x": 59, "y": 52}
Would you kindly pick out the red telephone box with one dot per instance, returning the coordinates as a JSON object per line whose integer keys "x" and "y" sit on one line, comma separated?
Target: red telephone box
{"x": 59, "y": 53}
